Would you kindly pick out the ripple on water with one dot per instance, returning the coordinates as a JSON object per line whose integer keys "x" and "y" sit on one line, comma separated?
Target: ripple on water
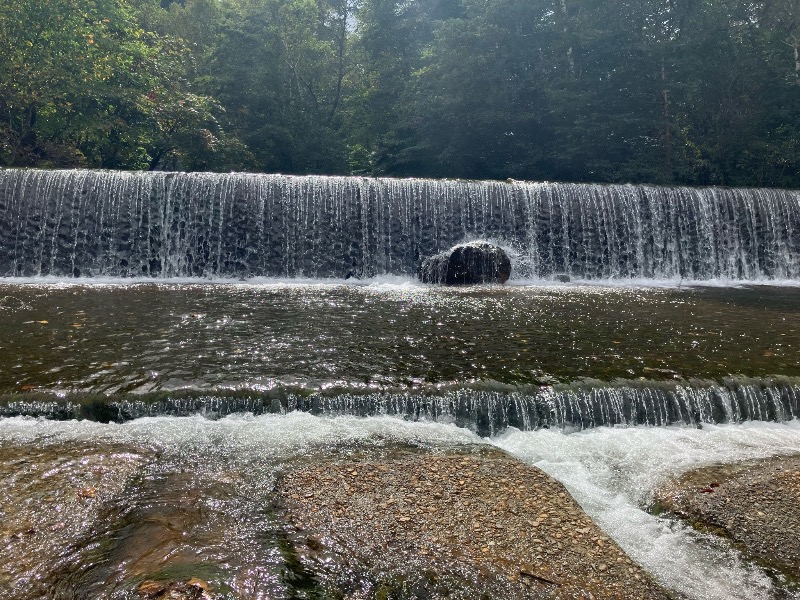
{"x": 151, "y": 337}
{"x": 213, "y": 479}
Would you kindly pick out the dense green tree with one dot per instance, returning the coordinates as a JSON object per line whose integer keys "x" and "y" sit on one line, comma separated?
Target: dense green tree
{"x": 665, "y": 91}
{"x": 392, "y": 46}
{"x": 83, "y": 83}
{"x": 53, "y": 57}
{"x": 281, "y": 72}
{"x": 735, "y": 105}
{"x": 482, "y": 111}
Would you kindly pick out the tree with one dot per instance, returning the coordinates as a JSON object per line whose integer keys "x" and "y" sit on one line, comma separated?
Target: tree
{"x": 663, "y": 91}
{"x": 281, "y": 72}
{"x": 52, "y": 55}
{"x": 392, "y": 45}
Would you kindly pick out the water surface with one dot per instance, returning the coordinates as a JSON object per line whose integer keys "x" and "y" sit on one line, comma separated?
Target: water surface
{"x": 146, "y": 337}
{"x": 192, "y": 498}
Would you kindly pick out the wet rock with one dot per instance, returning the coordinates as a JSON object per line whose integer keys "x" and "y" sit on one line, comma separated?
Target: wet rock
{"x": 194, "y": 589}
{"x": 499, "y": 529}
{"x": 466, "y": 264}
{"x": 562, "y": 277}
{"x": 50, "y": 500}
{"x": 172, "y": 528}
{"x": 756, "y": 505}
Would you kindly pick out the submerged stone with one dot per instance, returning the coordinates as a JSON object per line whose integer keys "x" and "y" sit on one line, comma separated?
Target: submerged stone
{"x": 753, "y": 504}
{"x": 466, "y": 264}
{"x": 469, "y": 522}
{"x": 194, "y": 589}
{"x": 51, "y": 499}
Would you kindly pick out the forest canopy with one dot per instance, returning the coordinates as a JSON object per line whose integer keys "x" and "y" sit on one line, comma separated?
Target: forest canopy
{"x": 702, "y": 92}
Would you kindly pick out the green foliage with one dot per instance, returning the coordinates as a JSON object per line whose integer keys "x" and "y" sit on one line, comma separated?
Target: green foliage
{"x": 701, "y": 92}
{"x": 280, "y": 68}
{"x": 83, "y": 83}
{"x": 53, "y": 56}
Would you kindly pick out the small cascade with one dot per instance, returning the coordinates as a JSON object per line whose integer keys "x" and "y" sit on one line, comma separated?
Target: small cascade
{"x": 565, "y": 406}
{"x": 132, "y": 224}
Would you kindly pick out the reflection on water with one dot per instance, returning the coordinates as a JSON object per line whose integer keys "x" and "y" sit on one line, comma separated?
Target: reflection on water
{"x": 91, "y": 510}
{"x": 145, "y": 337}
{"x": 50, "y": 499}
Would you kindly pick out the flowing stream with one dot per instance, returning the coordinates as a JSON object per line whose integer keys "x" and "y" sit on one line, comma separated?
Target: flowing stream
{"x": 204, "y": 390}
{"x": 222, "y": 471}
{"x": 169, "y": 342}
{"x": 611, "y": 472}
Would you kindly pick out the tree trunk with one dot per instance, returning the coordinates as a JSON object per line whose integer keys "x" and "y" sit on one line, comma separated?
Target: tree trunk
{"x": 29, "y": 125}
{"x": 157, "y": 157}
{"x": 667, "y": 129}
{"x": 340, "y": 57}
{"x": 25, "y": 135}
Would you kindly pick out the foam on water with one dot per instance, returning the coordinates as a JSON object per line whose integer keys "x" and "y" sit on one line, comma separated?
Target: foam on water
{"x": 278, "y": 436}
{"x": 394, "y": 282}
{"x": 645, "y": 283}
{"x": 53, "y": 281}
{"x": 612, "y": 471}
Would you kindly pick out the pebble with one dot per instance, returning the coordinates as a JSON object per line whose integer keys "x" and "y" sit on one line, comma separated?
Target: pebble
{"x": 485, "y": 533}
{"x": 754, "y": 504}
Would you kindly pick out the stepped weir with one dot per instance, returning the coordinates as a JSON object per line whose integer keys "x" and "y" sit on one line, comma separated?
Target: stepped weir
{"x": 427, "y": 354}
{"x": 577, "y": 406}
{"x": 151, "y": 403}
{"x": 122, "y": 224}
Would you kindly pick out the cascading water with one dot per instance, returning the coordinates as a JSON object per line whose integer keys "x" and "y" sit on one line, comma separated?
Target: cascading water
{"x": 526, "y": 364}
{"x": 569, "y": 407}
{"x": 92, "y": 223}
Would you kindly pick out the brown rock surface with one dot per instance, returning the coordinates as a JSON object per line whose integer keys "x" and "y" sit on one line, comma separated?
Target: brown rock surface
{"x": 754, "y": 504}
{"x": 50, "y": 498}
{"x": 474, "y": 523}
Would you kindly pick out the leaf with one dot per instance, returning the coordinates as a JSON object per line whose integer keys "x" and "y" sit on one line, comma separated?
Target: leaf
{"x": 87, "y": 492}
{"x": 151, "y": 587}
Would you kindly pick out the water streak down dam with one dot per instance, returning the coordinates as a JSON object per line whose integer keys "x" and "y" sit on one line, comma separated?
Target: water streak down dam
{"x": 126, "y": 224}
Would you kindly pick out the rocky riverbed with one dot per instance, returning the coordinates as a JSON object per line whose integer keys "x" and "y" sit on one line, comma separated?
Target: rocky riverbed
{"x": 373, "y": 521}
{"x": 371, "y": 518}
{"x": 51, "y": 498}
{"x": 756, "y": 505}
{"x": 472, "y": 523}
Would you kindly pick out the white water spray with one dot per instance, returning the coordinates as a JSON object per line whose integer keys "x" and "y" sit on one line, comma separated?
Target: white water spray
{"x": 105, "y": 223}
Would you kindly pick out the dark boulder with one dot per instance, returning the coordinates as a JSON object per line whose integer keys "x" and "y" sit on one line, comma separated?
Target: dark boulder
{"x": 465, "y": 264}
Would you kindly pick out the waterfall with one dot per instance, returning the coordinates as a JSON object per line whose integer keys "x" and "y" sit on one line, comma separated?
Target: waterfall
{"x": 579, "y": 405}
{"x": 133, "y": 224}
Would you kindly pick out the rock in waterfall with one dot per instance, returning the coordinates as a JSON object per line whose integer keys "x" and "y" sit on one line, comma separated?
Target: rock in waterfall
{"x": 132, "y": 224}
{"x": 465, "y": 264}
